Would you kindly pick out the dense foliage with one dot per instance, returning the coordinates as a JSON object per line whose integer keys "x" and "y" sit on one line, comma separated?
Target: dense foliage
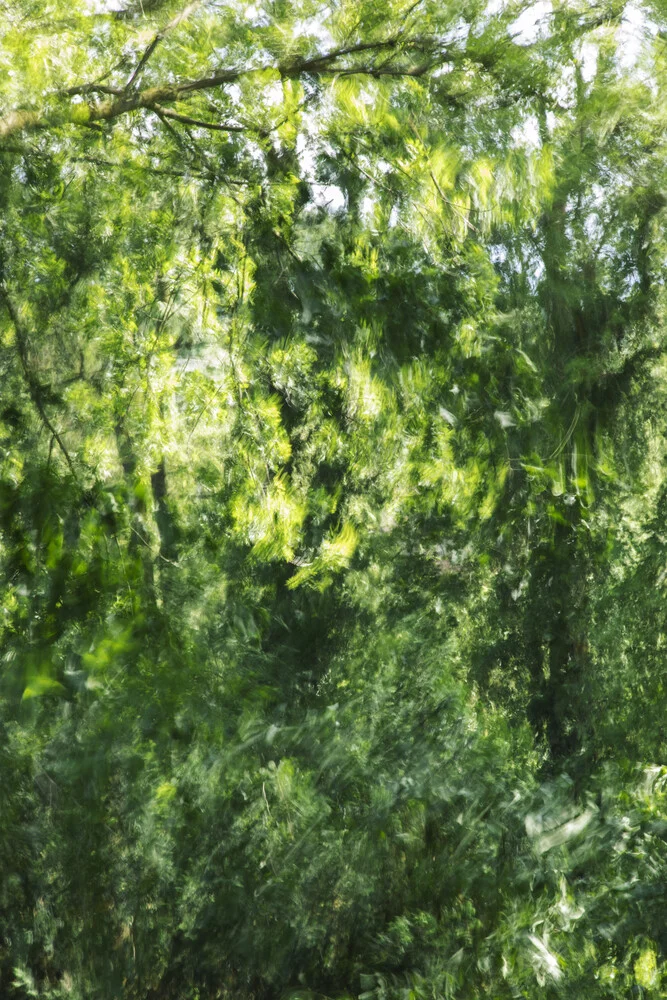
{"x": 333, "y": 486}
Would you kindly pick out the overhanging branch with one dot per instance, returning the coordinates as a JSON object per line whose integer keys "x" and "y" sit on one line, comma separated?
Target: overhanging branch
{"x": 123, "y": 101}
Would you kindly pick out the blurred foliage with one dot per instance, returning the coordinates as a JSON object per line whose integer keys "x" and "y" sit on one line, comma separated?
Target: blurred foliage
{"x": 333, "y": 486}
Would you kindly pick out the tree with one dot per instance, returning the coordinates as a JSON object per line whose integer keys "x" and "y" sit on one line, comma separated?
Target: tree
{"x": 332, "y": 430}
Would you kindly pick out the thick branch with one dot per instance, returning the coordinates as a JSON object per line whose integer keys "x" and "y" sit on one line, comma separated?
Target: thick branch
{"x": 123, "y": 101}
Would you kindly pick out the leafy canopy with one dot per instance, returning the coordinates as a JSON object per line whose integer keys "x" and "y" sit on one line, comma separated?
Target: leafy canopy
{"x": 332, "y": 483}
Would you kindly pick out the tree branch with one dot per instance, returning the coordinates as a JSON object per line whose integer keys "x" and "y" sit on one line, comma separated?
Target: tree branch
{"x": 151, "y": 47}
{"x": 198, "y": 122}
{"x": 459, "y": 211}
{"x": 33, "y": 386}
{"x": 123, "y": 101}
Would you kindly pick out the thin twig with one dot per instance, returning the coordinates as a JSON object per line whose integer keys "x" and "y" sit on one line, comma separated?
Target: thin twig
{"x": 197, "y": 122}
{"x": 151, "y": 47}
{"x": 452, "y": 204}
{"x": 34, "y": 389}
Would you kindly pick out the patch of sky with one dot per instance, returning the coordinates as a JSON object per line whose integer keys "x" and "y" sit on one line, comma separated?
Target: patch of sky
{"x": 366, "y": 96}
{"x": 593, "y": 226}
{"x": 532, "y": 24}
{"x": 631, "y": 281}
{"x": 456, "y": 34}
{"x": 328, "y": 196}
{"x": 589, "y": 60}
{"x": 313, "y": 27}
{"x": 102, "y": 6}
{"x": 222, "y": 55}
{"x": 534, "y": 273}
{"x": 306, "y": 153}
{"x": 493, "y": 8}
{"x": 599, "y": 195}
{"x": 256, "y": 154}
{"x": 527, "y": 133}
{"x": 631, "y": 35}
{"x": 273, "y": 94}
{"x": 257, "y": 18}
{"x": 565, "y": 90}
{"x": 497, "y": 253}
{"x": 367, "y": 207}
